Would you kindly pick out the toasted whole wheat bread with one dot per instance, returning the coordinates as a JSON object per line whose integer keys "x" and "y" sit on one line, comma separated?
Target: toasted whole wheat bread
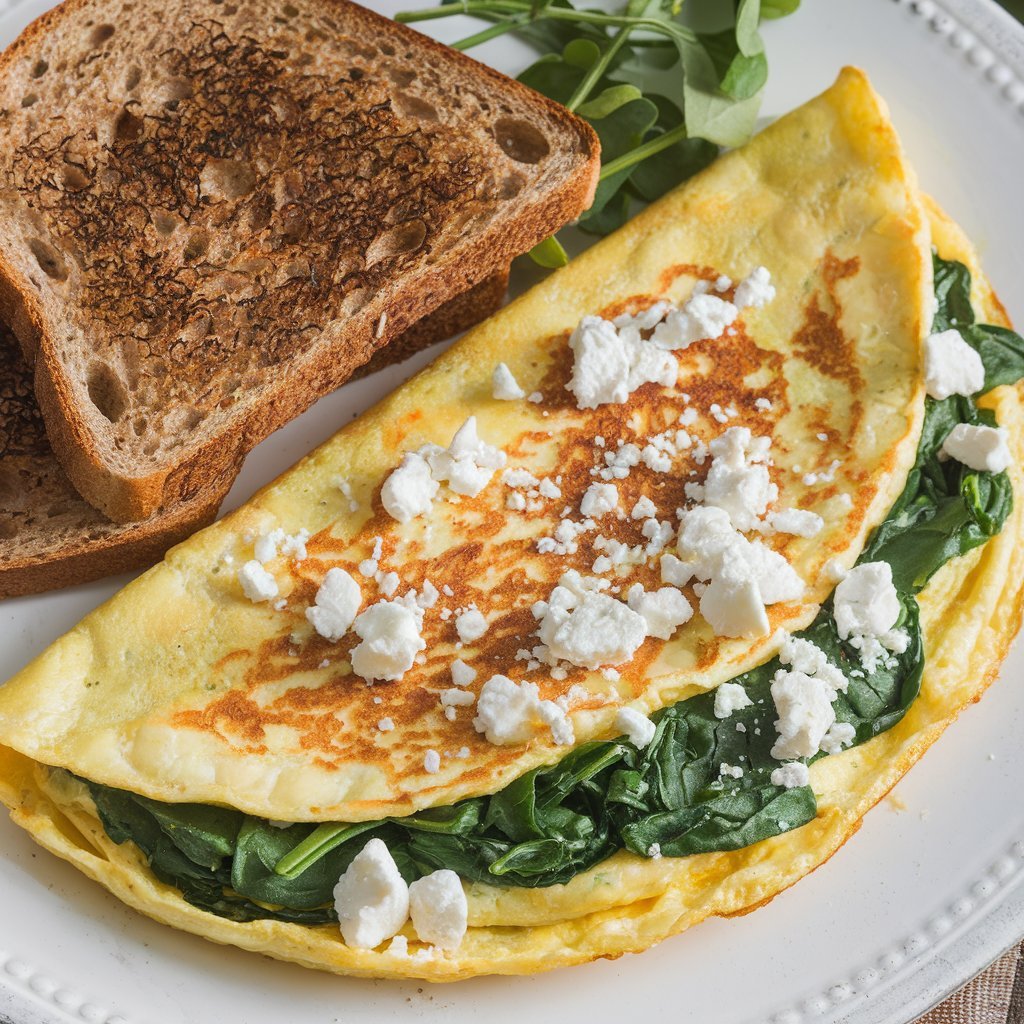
{"x": 215, "y": 212}
{"x": 50, "y": 537}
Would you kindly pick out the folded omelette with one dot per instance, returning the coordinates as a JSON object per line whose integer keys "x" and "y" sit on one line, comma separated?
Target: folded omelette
{"x": 621, "y": 614}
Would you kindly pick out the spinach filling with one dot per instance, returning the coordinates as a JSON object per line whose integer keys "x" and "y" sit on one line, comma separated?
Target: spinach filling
{"x": 554, "y": 822}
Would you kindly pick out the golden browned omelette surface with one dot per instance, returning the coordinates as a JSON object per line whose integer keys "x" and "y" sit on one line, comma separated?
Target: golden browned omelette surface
{"x": 181, "y": 688}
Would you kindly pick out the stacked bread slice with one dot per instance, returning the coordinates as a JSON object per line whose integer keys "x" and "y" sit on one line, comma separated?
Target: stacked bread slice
{"x": 216, "y": 213}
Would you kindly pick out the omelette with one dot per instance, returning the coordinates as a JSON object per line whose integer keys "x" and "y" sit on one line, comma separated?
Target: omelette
{"x": 620, "y": 615}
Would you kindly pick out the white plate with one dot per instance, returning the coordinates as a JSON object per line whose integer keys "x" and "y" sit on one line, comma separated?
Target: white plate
{"x": 929, "y": 891}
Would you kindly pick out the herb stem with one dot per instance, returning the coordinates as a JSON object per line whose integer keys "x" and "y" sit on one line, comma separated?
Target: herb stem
{"x": 318, "y": 844}
{"x": 584, "y": 89}
{"x": 489, "y": 33}
{"x": 641, "y": 153}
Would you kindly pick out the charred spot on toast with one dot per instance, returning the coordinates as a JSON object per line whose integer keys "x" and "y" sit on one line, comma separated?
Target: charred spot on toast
{"x": 234, "y": 202}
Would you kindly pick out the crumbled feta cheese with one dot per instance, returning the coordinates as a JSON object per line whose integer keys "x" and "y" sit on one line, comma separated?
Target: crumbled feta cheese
{"x": 386, "y": 724}
{"x": 428, "y": 595}
{"x": 337, "y": 604}
{"x": 638, "y": 728}
{"x": 797, "y": 522}
{"x": 654, "y": 851}
{"x": 730, "y": 771}
{"x": 468, "y": 463}
{"x": 703, "y": 316}
{"x": 432, "y": 762}
{"x": 470, "y": 625}
{"x": 756, "y": 289}
{"x": 462, "y": 674}
{"x": 399, "y": 946}
{"x": 388, "y": 583}
{"x": 730, "y": 697}
{"x": 409, "y": 491}
{"x": 609, "y": 364}
{"x": 791, "y": 775}
{"x": 266, "y": 546}
{"x": 549, "y": 489}
{"x": 866, "y": 608}
{"x": 803, "y": 695}
{"x": 504, "y": 385}
{"x": 346, "y": 489}
{"x": 833, "y": 570}
{"x": 981, "y": 448}
{"x": 805, "y": 711}
{"x": 257, "y": 584}
{"x": 738, "y": 480}
{"x": 456, "y": 698}
{"x": 744, "y": 575}
{"x": 599, "y": 500}
{"x": 390, "y": 640}
{"x": 762, "y": 404}
{"x": 841, "y": 735}
{"x": 951, "y": 366}
{"x": 510, "y": 712}
{"x": 439, "y": 909}
{"x": 644, "y": 509}
{"x": 663, "y": 610}
{"x": 371, "y": 897}
{"x": 589, "y": 629}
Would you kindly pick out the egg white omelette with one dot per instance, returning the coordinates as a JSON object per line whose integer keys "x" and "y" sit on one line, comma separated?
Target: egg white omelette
{"x": 217, "y": 751}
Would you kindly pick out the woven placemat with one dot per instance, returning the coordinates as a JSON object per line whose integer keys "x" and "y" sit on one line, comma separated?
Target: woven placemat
{"x": 996, "y": 996}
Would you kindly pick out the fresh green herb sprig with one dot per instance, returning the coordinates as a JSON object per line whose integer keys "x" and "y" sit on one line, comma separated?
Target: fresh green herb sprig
{"x": 661, "y": 96}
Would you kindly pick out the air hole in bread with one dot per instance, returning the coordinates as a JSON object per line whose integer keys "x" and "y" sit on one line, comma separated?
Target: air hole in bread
{"x": 40, "y": 68}
{"x": 193, "y": 417}
{"x": 30, "y": 99}
{"x": 227, "y": 179}
{"x": 293, "y": 224}
{"x": 387, "y": 49}
{"x": 401, "y": 239}
{"x": 290, "y": 11}
{"x": 8, "y": 529}
{"x": 512, "y": 185}
{"x": 303, "y": 60}
{"x": 107, "y": 392}
{"x": 133, "y": 78}
{"x": 150, "y": 448}
{"x": 414, "y": 106}
{"x": 127, "y": 127}
{"x": 261, "y": 211}
{"x": 198, "y": 244}
{"x": 521, "y": 140}
{"x": 355, "y": 74}
{"x": 164, "y": 223}
{"x": 402, "y": 77}
{"x": 50, "y": 261}
{"x": 74, "y": 177}
{"x": 230, "y": 9}
{"x": 139, "y": 425}
{"x": 100, "y": 34}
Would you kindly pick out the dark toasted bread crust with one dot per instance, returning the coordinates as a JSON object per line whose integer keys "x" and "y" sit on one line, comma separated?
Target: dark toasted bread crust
{"x": 344, "y": 345}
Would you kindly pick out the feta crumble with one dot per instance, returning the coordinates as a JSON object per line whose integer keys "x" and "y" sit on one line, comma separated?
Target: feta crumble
{"x": 636, "y": 726}
{"x": 371, "y": 897}
{"x": 599, "y": 500}
{"x": 730, "y": 697}
{"x": 510, "y": 712}
{"x": 663, "y": 610}
{"x": 439, "y": 909}
{"x": 504, "y": 385}
{"x": 336, "y": 605}
{"x": 951, "y": 366}
{"x": 462, "y": 674}
{"x": 470, "y": 625}
{"x": 981, "y": 448}
{"x": 257, "y": 584}
{"x": 610, "y": 364}
{"x": 791, "y": 775}
{"x": 410, "y": 490}
{"x": 389, "y": 632}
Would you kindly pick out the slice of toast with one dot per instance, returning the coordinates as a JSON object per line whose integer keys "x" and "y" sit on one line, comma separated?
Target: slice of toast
{"x": 50, "y": 537}
{"x": 216, "y": 211}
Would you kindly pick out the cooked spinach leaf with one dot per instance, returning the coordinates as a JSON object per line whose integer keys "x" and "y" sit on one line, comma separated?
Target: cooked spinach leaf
{"x": 554, "y": 822}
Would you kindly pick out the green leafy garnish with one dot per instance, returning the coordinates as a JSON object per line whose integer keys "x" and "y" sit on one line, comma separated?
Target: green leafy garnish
{"x": 661, "y": 96}
{"x": 554, "y": 822}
